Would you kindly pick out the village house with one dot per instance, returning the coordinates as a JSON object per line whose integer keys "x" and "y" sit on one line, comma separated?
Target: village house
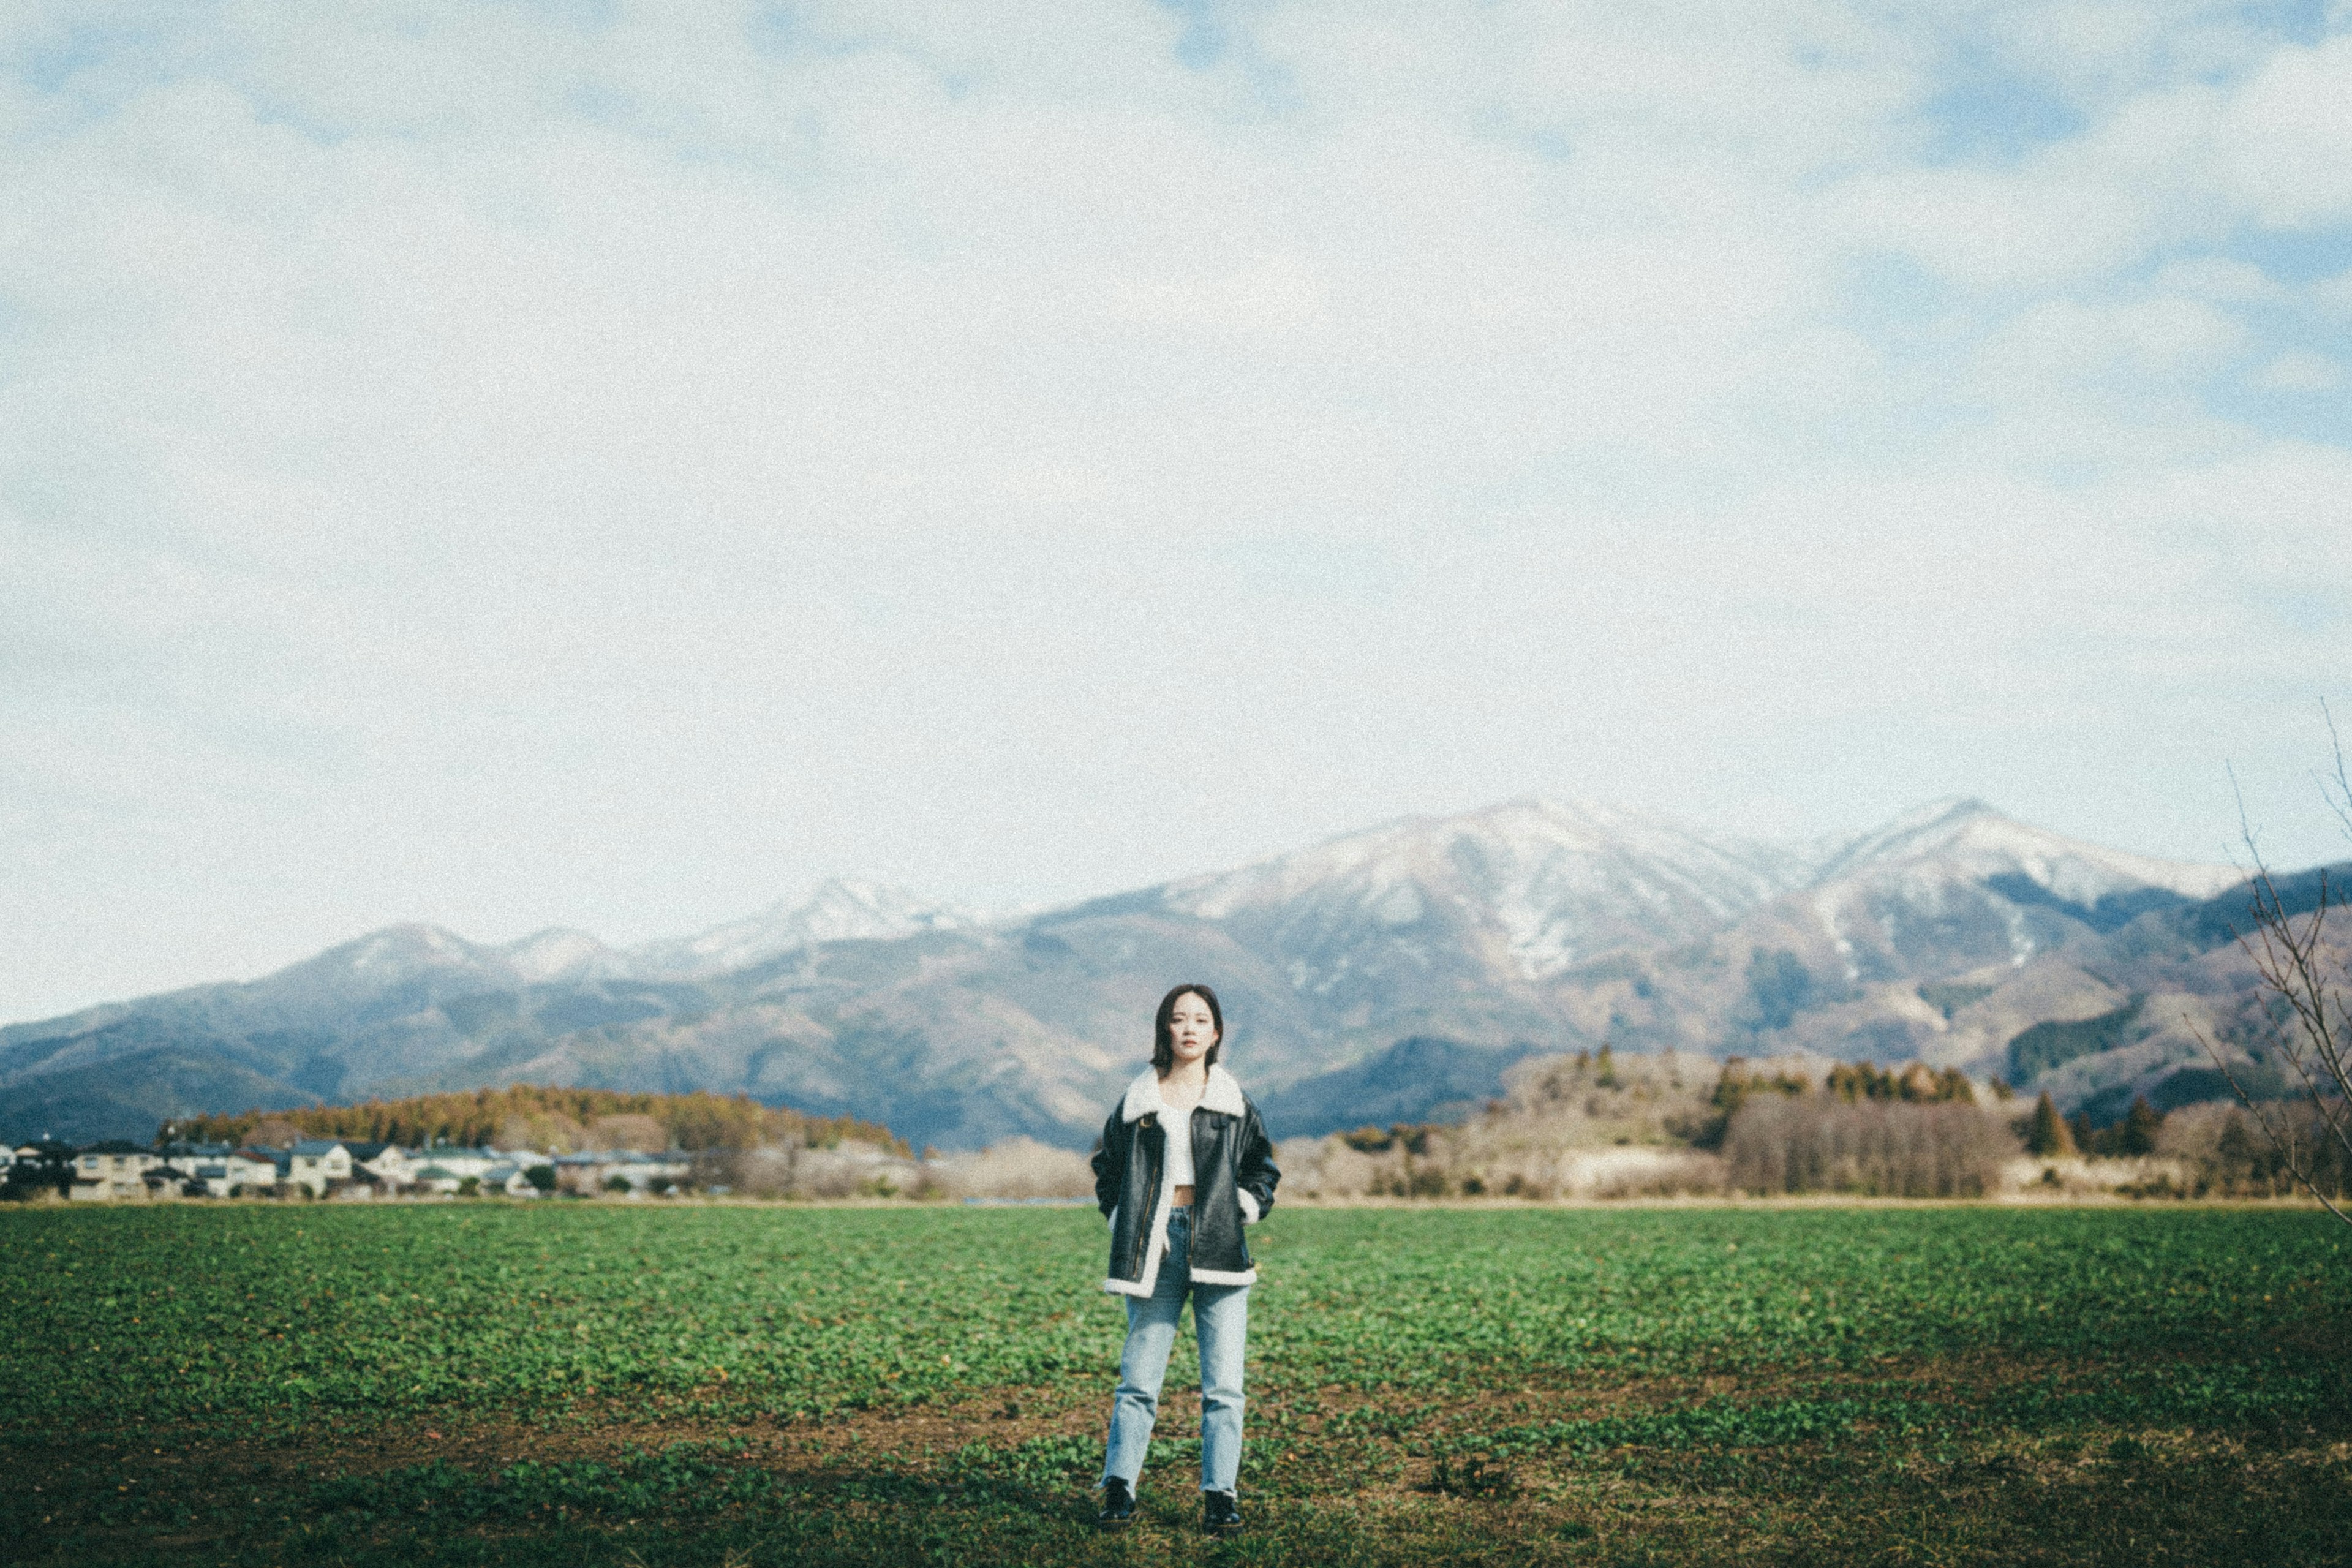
{"x": 37, "y": 1164}
{"x": 459, "y": 1162}
{"x": 391, "y": 1165}
{"x": 188, "y": 1156}
{"x": 510, "y": 1180}
{"x": 279, "y": 1161}
{"x": 116, "y": 1169}
{"x": 435, "y": 1178}
{"x": 592, "y": 1171}
{"x": 166, "y": 1181}
{"x": 238, "y": 1173}
{"x": 316, "y": 1162}
{"x": 479, "y": 1162}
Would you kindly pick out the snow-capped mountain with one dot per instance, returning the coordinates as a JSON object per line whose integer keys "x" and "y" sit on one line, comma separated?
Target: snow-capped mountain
{"x": 1972, "y": 839}
{"x": 560, "y": 953}
{"x": 839, "y": 911}
{"x": 419, "y": 955}
{"x": 1527, "y": 889}
{"x": 1944, "y": 937}
{"x": 1956, "y": 883}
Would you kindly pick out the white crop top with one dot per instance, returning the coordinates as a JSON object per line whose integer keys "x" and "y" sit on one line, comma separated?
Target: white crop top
{"x": 1179, "y": 1124}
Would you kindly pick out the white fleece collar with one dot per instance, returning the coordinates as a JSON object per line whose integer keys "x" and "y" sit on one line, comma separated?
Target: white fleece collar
{"x": 1223, "y": 1095}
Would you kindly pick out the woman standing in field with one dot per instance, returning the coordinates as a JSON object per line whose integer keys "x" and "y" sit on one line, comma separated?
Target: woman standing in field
{"x": 1185, "y": 1164}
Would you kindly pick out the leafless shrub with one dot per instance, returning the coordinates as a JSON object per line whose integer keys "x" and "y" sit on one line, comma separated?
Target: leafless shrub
{"x": 1324, "y": 1168}
{"x": 2226, "y": 1154}
{"x": 851, "y": 1171}
{"x": 2306, "y": 971}
{"x": 1876, "y": 1148}
{"x": 1015, "y": 1168}
{"x": 1463, "y": 1164}
{"x": 1648, "y": 1174}
{"x": 1599, "y": 1125}
{"x": 763, "y": 1173}
{"x": 848, "y": 1170}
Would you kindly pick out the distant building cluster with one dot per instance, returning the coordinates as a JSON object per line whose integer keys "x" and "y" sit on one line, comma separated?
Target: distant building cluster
{"x": 120, "y": 1171}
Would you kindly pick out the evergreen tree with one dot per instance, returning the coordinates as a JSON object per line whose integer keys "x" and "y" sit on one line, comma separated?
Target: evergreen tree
{"x": 2235, "y": 1155}
{"x": 2086, "y": 1136}
{"x": 2141, "y": 1124}
{"x": 2048, "y": 1137}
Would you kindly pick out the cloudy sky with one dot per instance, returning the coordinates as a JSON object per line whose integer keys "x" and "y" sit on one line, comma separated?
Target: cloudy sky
{"x": 615, "y": 465}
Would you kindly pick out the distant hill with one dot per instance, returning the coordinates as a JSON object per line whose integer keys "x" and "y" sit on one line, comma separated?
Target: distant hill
{"x": 1529, "y": 927}
{"x": 1421, "y": 1079}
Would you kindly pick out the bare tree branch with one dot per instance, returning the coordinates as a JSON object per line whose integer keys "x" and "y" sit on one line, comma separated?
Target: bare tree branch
{"x": 2300, "y": 969}
{"x": 2280, "y": 1134}
{"x": 2341, "y": 800}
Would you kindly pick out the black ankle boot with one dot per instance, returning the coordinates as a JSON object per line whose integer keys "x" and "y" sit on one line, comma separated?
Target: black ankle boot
{"x": 1119, "y": 1505}
{"x": 1219, "y": 1514}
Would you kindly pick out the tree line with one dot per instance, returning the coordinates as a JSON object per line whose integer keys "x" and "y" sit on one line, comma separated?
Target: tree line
{"x": 541, "y": 1115}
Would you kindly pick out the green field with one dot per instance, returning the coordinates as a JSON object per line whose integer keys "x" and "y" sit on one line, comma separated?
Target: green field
{"x": 588, "y": 1384}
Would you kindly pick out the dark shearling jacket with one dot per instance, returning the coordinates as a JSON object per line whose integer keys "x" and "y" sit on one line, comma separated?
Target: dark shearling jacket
{"x": 1233, "y": 1179}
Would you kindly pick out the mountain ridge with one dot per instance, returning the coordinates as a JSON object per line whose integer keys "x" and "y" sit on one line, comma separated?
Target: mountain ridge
{"x": 1525, "y": 927}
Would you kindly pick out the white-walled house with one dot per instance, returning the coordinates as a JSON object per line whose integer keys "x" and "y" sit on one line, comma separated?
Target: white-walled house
{"x": 478, "y": 1162}
{"x": 187, "y": 1162}
{"x": 435, "y": 1178}
{"x": 279, "y": 1161}
{"x": 458, "y": 1162}
{"x": 509, "y": 1179}
{"x": 317, "y": 1161}
{"x": 236, "y": 1172}
{"x": 590, "y": 1171}
{"x": 391, "y": 1165}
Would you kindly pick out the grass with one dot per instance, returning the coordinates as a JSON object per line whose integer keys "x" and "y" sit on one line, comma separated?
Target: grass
{"x": 588, "y": 1384}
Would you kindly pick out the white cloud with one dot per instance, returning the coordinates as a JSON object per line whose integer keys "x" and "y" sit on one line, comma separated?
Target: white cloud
{"x": 2333, "y": 295}
{"x": 2145, "y": 341}
{"x": 2300, "y": 370}
{"x": 2283, "y": 137}
{"x": 500, "y": 467}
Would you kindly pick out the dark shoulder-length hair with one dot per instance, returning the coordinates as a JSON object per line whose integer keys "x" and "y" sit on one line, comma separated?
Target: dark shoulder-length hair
{"x": 1163, "y": 1033}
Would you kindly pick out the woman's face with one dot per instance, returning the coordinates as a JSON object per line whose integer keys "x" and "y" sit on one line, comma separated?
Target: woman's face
{"x": 1191, "y": 1029}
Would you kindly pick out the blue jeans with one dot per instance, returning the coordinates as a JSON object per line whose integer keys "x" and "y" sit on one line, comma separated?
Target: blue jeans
{"x": 1221, "y": 1319}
